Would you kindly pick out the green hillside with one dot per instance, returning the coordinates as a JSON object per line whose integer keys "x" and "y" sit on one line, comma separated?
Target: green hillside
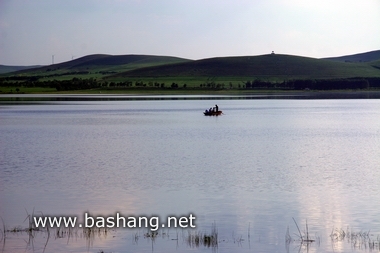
{"x": 99, "y": 65}
{"x": 264, "y": 66}
{"x": 362, "y": 57}
{"x": 127, "y": 72}
{"x": 375, "y": 64}
{"x": 7, "y": 69}
{"x": 268, "y": 67}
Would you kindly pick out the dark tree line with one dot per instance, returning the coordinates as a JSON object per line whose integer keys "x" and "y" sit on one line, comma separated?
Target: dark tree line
{"x": 259, "y": 84}
{"x": 73, "y": 84}
{"x": 318, "y": 84}
{"x": 213, "y": 85}
{"x": 296, "y": 84}
{"x": 333, "y": 84}
{"x": 20, "y": 78}
{"x": 76, "y": 84}
{"x": 374, "y": 82}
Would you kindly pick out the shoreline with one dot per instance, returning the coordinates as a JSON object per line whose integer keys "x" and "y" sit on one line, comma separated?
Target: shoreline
{"x": 246, "y": 95}
{"x": 181, "y": 92}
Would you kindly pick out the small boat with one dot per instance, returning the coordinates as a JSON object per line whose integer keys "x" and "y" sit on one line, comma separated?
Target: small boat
{"x": 212, "y": 113}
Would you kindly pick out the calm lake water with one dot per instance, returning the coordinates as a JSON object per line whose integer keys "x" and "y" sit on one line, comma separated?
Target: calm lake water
{"x": 248, "y": 172}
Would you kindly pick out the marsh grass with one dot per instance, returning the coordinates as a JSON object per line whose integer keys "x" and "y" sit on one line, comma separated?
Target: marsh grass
{"x": 88, "y": 234}
{"x": 302, "y": 239}
{"x": 3, "y": 235}
{"x": 192, "y": 238}
{"x": 197, "y": 238}
{"x": 358, "y": 240}
{"x": 31, "y": 232}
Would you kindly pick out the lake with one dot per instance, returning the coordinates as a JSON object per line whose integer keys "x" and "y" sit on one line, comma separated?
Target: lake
{"x": 266, "y": 165}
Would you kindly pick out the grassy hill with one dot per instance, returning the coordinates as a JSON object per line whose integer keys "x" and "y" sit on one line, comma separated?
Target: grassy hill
{"x": 375, "y": 64}
{"x": 271, "y": 66}
{"x": 7, "y": 69}
{"x": 99, "y": 65}
{"x": 147, "y": 71}
{"x": 268, "y": 67}
{"x": 362, "y": 57}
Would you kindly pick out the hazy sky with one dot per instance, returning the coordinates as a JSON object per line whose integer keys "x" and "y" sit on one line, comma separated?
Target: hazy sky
{"x": 31, "y": 31}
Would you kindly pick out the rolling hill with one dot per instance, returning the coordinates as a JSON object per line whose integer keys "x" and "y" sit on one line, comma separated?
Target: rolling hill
{"x": 362, "y": 57}
{"x": 264, "y": 66}
{"x": 102, "y": 63}
{"x": 106, "y": 61}
{"x": 7, "y": 69}
{"x": 278, "y": 67}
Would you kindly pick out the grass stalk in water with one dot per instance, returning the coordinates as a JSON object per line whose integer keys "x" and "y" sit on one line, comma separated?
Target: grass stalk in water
{"x": 196, "y": 239}
{"x": 304, "y": 239}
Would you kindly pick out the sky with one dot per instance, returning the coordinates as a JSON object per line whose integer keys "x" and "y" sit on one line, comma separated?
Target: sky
{"x": 32, "y": 31}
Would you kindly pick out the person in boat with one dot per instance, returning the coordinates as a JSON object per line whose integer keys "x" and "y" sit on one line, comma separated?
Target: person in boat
{"x": 216, "y": 108}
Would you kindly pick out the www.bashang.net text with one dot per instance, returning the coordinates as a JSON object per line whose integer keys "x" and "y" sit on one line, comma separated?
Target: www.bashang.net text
{"x": 116, "y": 221}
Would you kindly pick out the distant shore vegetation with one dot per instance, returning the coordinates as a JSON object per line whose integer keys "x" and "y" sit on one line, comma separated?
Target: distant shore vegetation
{"x": 145, "y": 73}
{"x": 36, "y": 84}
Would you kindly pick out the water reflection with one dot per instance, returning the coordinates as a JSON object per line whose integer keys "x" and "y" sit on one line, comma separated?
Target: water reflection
{"x": 250, "y": 171}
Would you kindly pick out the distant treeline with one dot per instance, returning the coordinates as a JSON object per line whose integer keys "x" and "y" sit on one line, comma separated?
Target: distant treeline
{"x": 62, "y": 85}
{"x": 296, "y": 84}
{"x": 318, "y": 84}
{"x": 75, "y": 84}
{"x": 36, "y": 78}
